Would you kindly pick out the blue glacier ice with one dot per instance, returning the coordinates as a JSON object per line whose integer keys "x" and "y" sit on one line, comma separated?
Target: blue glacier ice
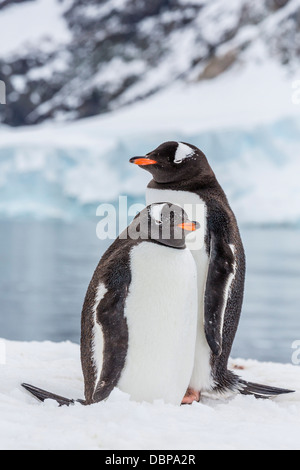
{"x": 258, "y": 167}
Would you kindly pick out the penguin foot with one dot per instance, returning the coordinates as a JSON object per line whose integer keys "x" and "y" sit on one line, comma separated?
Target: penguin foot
{"x": 190, "y": 396}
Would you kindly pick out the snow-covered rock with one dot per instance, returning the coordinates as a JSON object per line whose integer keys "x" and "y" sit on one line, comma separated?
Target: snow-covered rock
{"x": 239, "y": 422}
{"x": 71, "y": 59}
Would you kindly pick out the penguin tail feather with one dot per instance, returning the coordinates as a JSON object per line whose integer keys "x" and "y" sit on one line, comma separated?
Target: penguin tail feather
{"x": 261, "y": 391}
{"x": 43, "y": 395}
{"x": 244, "y": 387}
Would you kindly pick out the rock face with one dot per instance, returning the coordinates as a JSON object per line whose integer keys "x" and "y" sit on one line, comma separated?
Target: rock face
{"x": 118, "y": 51}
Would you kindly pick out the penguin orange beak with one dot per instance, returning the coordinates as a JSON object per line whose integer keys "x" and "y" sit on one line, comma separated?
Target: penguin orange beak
{"x": 190, "y": 226}
{"x": 142, "y": 161}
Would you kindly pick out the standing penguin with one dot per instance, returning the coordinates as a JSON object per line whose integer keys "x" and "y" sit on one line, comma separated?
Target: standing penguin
{"x": 183, "y": 176}
{"x": 140, "y": 313}
{"x": 139, "y": 318}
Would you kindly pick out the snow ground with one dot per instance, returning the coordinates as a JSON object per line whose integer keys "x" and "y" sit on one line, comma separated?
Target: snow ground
{"x": 239, "y": 423}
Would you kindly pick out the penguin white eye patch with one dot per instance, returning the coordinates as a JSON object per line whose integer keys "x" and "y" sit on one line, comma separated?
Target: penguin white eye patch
{"x": 156, "y": 213}
{"x": 183, "y": 151}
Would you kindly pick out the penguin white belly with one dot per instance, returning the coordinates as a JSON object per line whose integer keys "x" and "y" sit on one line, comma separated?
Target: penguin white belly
{"x": 161, "y": 312}
{"x": 196, "y": 210}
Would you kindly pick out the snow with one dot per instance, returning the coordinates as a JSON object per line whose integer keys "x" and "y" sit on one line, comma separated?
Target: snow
{"x": 106, "y": 9}
{"x": 290, "y": 9}
{"x": 237, "y": 423}
{"x": 26, "y": 24}
{"x": 213, "y": 14}
{"x": 116, "y": 71}
{"x": 242, "y": 98}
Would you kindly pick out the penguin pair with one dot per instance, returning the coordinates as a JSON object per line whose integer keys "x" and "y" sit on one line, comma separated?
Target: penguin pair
{"x": 162, "y": 311}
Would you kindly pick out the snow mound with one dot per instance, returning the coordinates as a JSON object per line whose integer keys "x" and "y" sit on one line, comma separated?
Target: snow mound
{"x": 232, "y": 423}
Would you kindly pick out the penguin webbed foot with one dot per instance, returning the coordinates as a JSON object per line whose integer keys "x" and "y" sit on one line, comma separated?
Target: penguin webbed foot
{"x": 190, "y": 396}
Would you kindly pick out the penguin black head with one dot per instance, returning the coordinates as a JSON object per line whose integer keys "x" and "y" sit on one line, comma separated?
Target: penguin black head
{"x": 162, "y": 223}
{"x": 175, "y": 162}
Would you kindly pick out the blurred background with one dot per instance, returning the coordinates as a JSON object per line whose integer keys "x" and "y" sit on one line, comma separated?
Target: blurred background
{"x": 91, "y": 83}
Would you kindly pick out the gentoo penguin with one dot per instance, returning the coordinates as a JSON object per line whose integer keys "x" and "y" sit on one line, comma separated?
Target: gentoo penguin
{"x": 139, "y": 318}
{"x": 141, "y": 311}
{"x": 183, "y": 176}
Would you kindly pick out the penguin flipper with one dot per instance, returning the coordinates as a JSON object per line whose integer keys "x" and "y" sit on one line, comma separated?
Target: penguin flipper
{"x": 111, "y": 316}
{"x": 220, "y": 274}
{"x": 43, "y": 395}
{"x": 261, "y": 391}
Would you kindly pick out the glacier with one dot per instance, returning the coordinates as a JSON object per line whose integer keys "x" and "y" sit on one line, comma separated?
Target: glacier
{"x": 57, "y": 174}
